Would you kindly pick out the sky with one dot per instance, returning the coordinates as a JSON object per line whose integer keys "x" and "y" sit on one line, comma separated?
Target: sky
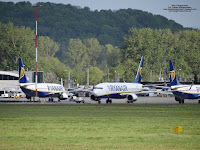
{"x": 184, "y": 12}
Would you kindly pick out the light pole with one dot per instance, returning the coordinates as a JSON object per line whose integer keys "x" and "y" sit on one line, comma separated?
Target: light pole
{"x": 164, "y": 68}
{"x": 107, "y": 73}
{"x": 68, "y": 84}
{"x": 115, "y": 75}
{"x": 88, "y": 75}
{"x": 36, "y": 92}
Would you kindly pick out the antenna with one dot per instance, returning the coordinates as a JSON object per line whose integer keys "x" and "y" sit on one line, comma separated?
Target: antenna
{"x": 36, "y": 77}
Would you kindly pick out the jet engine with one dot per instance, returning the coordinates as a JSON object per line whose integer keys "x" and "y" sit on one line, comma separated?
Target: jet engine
{"x": 131, "y": 98}
{"x": 63, "y": 96}
{"x": 93, "y": 97}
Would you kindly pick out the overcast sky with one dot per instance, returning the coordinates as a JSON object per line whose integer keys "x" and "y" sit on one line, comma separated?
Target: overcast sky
{"x": 187, "y": 18}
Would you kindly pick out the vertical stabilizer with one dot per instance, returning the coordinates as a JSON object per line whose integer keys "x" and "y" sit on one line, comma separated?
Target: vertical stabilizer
{"x": 139, "y": 72}
{"x": 173, "y": 79}
{"x": 22, "y": 76}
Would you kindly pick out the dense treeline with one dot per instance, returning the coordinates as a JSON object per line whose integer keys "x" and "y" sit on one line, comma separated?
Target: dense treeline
{"x": 73, "y": 39}
{"x": 182, "y": 47}
{"x": 62, "y": 22}
{"x": 18, "y": 42}
{"x": 105, "y": 62}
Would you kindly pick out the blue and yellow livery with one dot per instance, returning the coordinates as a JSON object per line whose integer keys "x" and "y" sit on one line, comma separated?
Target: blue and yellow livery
{"x": 180, "y": 91}
{"x": 120, "y": 90}
{"x": 44, "y": 89}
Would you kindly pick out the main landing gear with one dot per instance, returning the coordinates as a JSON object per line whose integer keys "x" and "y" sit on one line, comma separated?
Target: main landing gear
{"x": 129, "y": 101}
{"x": 181, "y": 101}
{"x": 50, "y": 99}
{"x": 109, "y": 101}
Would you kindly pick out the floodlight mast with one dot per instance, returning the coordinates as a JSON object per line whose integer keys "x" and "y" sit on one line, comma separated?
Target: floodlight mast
{"x": 36, "y": 73}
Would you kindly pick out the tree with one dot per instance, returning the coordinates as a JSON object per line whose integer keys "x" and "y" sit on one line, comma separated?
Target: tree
{"x": 93, "y": 50}
{"x": 76, "y": 54}
{"x": 96, "y": 75}
{"x": 47, "y": 47}
{"x": 15, "y": 42}
{"x": 182, "y": 48}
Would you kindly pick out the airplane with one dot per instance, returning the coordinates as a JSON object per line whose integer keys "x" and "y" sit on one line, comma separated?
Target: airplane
{"x": 119, "y": 90}
{"x": 180, "y": 91}
{"x": 44, "y": 89}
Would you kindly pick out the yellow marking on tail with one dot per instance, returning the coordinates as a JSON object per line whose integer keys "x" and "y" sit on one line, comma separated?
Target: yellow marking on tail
{"x": 22, "y": 73}
{"x": 172, "y": 74}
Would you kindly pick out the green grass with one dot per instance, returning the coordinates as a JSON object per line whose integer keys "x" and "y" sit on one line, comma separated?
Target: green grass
{"x": 125, "y": 126}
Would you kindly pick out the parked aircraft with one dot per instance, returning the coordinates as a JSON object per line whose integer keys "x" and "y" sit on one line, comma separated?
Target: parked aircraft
{"x": 180, "y": 91}
{"x": 119, "y": 90}
{"x": 44, "y": 89}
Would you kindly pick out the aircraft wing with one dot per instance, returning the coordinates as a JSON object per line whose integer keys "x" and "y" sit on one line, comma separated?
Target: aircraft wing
{"x": 52, "y": 94}
{"x": 180, "y": 86}
{"x": 140, "y": 92}
{"x": 155, "y": 85}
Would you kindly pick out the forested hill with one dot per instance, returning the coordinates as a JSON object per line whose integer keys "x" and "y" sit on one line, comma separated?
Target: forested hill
{"x": 61, "y": 22}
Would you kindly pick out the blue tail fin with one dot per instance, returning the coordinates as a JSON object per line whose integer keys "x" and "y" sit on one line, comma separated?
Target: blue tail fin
{"x": 22, "y": 76}
{"x": 139, "y": 72}
{"x": 173, "y": 79}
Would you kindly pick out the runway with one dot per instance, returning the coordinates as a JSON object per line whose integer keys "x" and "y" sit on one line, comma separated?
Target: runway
{"x": 144, "y": 100}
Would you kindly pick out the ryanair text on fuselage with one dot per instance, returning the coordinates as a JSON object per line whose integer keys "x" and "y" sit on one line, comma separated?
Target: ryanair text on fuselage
{"x": 117, "y": 88}
{"x": 54, "y": 88}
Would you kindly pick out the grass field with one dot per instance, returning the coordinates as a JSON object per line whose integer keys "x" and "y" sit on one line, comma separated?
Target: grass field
{"x": 116, "y": 126}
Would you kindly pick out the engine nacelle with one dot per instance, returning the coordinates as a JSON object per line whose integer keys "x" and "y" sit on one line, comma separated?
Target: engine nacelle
{"x": 132, "y": 97}
{"x": 93, "y": 97}
{"x": 63, "y": 96}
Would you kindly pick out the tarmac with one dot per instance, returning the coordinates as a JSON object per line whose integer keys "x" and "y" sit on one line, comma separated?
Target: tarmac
{"x": 87, "y": 100}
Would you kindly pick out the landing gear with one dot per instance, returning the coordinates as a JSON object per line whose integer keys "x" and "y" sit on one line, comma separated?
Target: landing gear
{"x": 82, "y": 101}
{"x": 28, "y": 97}
{"x": 181, "y": 101}
{"x": 199, "y": 102}
{"x": 50, "y": 99}
{"x": 109, "y": 101}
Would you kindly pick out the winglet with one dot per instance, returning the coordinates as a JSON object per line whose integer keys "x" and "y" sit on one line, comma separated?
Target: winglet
{"x": 173, "y": 79}
{"x": 22, "y": 76}
{"x": 139, "y": 72}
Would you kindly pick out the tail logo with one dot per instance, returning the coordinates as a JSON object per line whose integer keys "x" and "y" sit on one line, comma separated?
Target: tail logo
{"x": 172, "y": 74}
{"x": 22, "y": 73}
{"x": 140, "y": 71}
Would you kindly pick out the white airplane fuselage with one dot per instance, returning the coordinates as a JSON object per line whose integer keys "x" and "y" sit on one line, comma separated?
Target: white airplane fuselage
{"x": 116, "y": 90}
{"x": 186, "y": 91}
{"x": 43, "y": 89}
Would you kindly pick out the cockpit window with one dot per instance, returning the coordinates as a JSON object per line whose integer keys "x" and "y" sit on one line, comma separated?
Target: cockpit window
{"x": 98, "y": 88}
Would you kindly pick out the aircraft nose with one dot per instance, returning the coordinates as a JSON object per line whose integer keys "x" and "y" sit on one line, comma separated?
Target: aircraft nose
{"x": 94, "y": 92}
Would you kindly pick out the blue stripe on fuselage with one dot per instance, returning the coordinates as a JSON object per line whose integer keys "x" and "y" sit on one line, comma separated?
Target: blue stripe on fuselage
{"x": 185, "y": 95}
{"x": 31, "y": 93}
